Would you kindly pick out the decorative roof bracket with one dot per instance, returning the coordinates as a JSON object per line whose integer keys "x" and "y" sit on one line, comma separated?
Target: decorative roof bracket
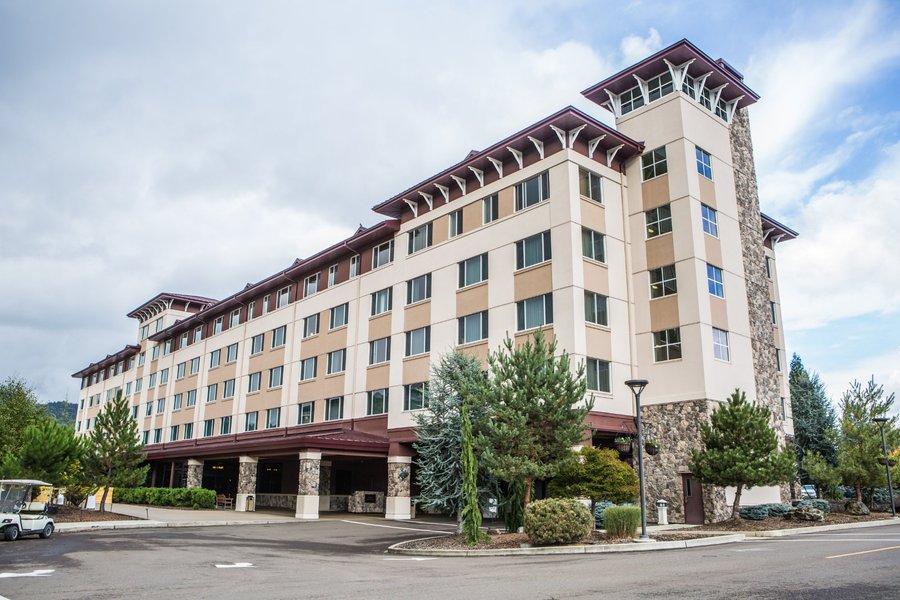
{"x": 429, "y": 200}
{"x": 615, "y": 103}
{"x": 560, "y": 134}
{"x": 445, "y": 192}
{"x": 573, "y": 134}
{"x": 479, "y": 175}
{"x": 611, "y": 153}
{"x": 517, "y": 155}
{"x": 645, "y": 89}
{"x": 538, "y": 144}
{"x": 592, "y": 145}
{"x": 678, "y": 72}
{"x": 460, "y": 182}
{"x": 497, "y": 165}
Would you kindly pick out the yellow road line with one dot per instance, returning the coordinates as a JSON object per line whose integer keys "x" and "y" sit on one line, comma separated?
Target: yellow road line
{"x": 864, "y": 552}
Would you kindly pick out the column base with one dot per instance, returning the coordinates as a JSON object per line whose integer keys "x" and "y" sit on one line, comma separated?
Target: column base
{"x": 307, "y": 507}
{"x": 397, "y": 508}
{"x": 324, "y": 503}
{"x": 240, "y": 503}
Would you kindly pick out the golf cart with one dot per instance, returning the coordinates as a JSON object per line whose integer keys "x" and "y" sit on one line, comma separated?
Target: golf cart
{"x": 18, "y": 515}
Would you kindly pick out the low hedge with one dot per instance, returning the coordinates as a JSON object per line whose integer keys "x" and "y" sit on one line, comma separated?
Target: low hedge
{"x": 557, "y": 521}
{"x": 189, "y": 497}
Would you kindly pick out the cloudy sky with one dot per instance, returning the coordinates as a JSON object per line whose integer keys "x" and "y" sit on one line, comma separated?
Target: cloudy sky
{"x": 194, "y": 146}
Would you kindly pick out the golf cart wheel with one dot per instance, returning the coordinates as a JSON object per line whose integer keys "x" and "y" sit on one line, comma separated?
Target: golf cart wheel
{"x": 47, "y": 531}
{"x": 11, "y": 533}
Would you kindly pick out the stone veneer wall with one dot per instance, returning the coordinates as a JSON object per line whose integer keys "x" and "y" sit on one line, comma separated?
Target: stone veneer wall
{"x": 762, "y": 332}
{"x": 677, "y": 426}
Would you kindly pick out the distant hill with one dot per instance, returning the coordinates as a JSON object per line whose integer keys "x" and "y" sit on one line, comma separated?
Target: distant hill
{"x": 64, "y": 412}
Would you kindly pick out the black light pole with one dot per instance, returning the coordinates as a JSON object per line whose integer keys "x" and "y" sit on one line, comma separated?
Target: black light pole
{"x": 637, "y": 386}
{"x": 887, "y": 462}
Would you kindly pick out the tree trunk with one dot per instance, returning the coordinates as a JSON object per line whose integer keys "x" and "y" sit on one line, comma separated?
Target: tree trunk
{"x": 526, "y": 496}
{"x": 736, "y": 507}
{"x": 103, "y": 498}
{"x": 459, "y": 522}
{"x": 858, "y": 487}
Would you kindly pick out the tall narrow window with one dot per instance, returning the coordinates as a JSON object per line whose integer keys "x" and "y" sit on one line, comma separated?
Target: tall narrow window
{"x": 592, "y": 245}
{"x": 256, "y": 343}
{"x": 228, "y": 389}
{"x": 382, "y": 301}
{"x": 418, "y": 289}
{"x": 456, "y": 223}
{"x": 305, "y": 413}
{"x": 590, "y": 185}
{"x": 473, "y": 270}
{"x": 667, "y": 344}
{"x": 310, "y": 285}
{"x": 215, "y": 358}
{"x": 415, "y": 396}
{"x": 596, "y": 308}
{"x": 278, "y": 336}
{"x": 598, "y": 375}
{"x": 188, "y": 431}
{"x": 284, "y": 294}
{"x": 720, "y": 345}
{"x": 231, "y": 353}
{"x": 194, "y": 366}
{"x": 276, "y": 376}
{"x": 334, "y": 409}
{"x": 534, "y": 312}
{"x": 710, "y": 220}
{"x": 311, "y": 325}
{"x": 490, "y": 209}
{"x": 336, "y": 361}
{"x": 354, "y": 266}
{"x": 377, "y": 402}
{"x": 212, "y": 391}
{"x": 653, "y": 163}
{"x": 533, "y": 250}
{"x": 308, "y": 368}
{"x": 714, "y": 280}
{"x": 217, "y": 326}
{"x": 704, "y": 162}
{"x": 418, "y": 341}
{"x": 225, "y": 425}
{"x": 338, "y": 316}
{"x": 235, "y": 319}
{"x": 419, "y": 238}
{"x": 663, "y": 282}
{"x": 379, "y": 351}
{"x": 273, "y": 418}
{"x": 532, "y": 191}
{"x": 332, "y": 275}
{"x": 773, "y": 308}
{"x": 254, "y": 381}
{"x": 659, "y": 221}
{"x": 250, "y": 421}
{"x": 191, "y": 398}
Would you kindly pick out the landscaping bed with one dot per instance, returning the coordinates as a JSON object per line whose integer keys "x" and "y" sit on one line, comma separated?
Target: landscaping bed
{"x": 778, "y": 523}
{"x": 515, "y": 540}
{"x": 72, "y": 514}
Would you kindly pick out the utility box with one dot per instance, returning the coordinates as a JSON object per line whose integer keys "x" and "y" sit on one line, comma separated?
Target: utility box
{"x": 662, "y": 512}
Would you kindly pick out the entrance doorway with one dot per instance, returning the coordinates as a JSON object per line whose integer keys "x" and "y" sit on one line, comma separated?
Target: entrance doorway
{"x": 693, "y": 499}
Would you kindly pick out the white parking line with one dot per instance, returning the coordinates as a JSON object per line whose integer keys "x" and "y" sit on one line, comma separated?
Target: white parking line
{"x": 412, "y": 558}
{"x": 235, "y": 566}
{"x": 394, "y": 527}
{"x": 35, "y": 573}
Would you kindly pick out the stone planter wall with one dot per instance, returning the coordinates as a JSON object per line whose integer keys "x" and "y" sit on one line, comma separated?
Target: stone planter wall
{"x": 286, "y": 501}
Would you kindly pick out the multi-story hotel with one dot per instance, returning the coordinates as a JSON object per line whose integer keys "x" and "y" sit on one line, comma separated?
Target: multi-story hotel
{"x": 641, "y": 249}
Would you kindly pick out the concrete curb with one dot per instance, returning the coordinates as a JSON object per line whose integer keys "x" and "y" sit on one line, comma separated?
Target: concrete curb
{"x": 819, "y": 528}
{"x": 588, "y": 549}
{"x": 108, "y": 525}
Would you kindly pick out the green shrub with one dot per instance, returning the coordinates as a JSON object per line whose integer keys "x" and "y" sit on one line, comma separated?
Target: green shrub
{"x": 622, "y": 521}
{"x": 823, "y": 505}
{"x": 599, "y": 507}
{"x": 187, "y": 497}
{"x": 777, "y": 509}
{"x": 757, "y": 512}
{"x": 557, "y": 521}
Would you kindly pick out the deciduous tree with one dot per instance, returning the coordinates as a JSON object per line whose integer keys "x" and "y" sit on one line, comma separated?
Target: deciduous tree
{"x": 19, "y": 408}
{"x": 597, "y": 474}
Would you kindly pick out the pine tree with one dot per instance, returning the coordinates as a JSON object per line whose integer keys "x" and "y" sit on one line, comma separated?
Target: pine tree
{"x": 740, "y": 449}
{"x": 859, "y": 442}
{"x": 597, "y": 474}
{"x": 815, "y": 423}
{"x": 48, "y": 451}
{"x": 114, "y": 457}
{"x": 532, "y": 400}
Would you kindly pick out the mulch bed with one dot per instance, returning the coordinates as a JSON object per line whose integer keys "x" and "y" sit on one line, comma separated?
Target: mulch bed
{"x": 71, "y": 514}
{"x": 515, "y": 540}
{"x": 779, "y": 523}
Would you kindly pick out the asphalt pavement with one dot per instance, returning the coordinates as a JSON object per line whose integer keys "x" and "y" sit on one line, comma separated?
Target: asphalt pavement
{"x": 344, "y": 558}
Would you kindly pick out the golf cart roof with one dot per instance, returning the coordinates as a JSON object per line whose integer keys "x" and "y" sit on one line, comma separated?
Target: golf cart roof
{"x": 26, "y": 482}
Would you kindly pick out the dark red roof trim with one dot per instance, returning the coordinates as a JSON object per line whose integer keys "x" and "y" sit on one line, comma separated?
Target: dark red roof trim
{"x": 111, "y": 359}
{"x": 169, "y": 296}
{"x": 771, "y": 227}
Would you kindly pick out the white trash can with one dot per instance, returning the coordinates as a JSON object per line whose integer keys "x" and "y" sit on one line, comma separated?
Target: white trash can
{"x": 662, "y": 512}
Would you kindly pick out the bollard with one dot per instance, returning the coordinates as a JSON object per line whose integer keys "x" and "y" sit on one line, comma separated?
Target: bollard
{"x": 662, "y": 512}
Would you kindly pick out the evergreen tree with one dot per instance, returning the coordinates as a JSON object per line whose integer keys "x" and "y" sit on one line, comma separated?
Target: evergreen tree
{"x": 859, "y": 442}
{"x": 48, "y": 451}
{"x": 740, "y": 449}
{"x": 114, "y": 457}
{"x": 597, "y": 474}
{"x": 815, "y": 424}
{"x": 532, "y": 400}
{"x": 63, "y": 411}
{"x": 471, "y": 511}
{"x": 824, "y": 476}
{"x": 19, "y": 408}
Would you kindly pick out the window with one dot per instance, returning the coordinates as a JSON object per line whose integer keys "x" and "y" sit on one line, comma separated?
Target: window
{"x": 179, "y": 371}
{"x": 228, "y": 389}
{"x": 145, "y": 437}
{"x": 334, "y": 409}
{"x": 145, "y": 332}
{"x": 714, "y": 281}
{"x": 415, "y": 396}
{"x": 195, "y": 366}
{"x": 659, "y": 221}
{"x": 383, "y": 254}
{"x": 418, "y": 289}
{"x": 418, "y": 341}
{"x": 208, "y": 427}
{"x": 191, "y": 398}
{"x": 419, "y": 238}
{"x": 212, "y": 391}
{"x": 631, "y": 99}
{"x": 531, "y": 191}
{"x": 380, "y": 351}
{"x": 377, "y": 402}
{"x": 183, "y": 340}
{"x": 770, "y": 268}
{"x": 332, "y": 275}
{"x": 667, "y": 344}
{"x": 130, "y": 365}
{"x": 338, "y": 316}
{"x": 596, "y": 308}
{"x": 354, "y": 266}
{"x": 141, "y": 358}
{"x": 217, "y": 325}
{"x": 157, "y": 435}
{"x": 720, "y": 345}
{"x": 473, "y": 328}
{"x": 167, "y": 349}
{"x": 154, "y": 355}
{"x": 251, "y": 309}
{"x": 225, "y": 425}
{"x": 778, "y": 359}
{"x": 215, "y": 358}
{"x": 278, "y": 336}
{"x": 534, "y": 312}
{"x": 305, "y": 414}
{"x": 311, "y": 325}
{"x": 308, "y": 368}
{"x": 188, "y": 431}
{"x": 310, "y": 285}
{"x": 265, "y": 306}
{"x": 660, "y": 86}
{"x": 198, "y": 334}
{"x": 253, "y": 382}
{"x": 235, "y": 318}
{"x": 456, "y": 223}
{"x": 160, "y": 405}
{"x": 273, "y": 418}
{"x": 276, "y": 376}
{"x": 533, "y": 250}
{"x": 173, "y": 433}
{"x": 231, "y": 353}
{"x": 490, "y": 209}
{"x": 381, "y": 301}
{"x": 473, "y": 270}
{"x": 662, "y": 282}
{"x": 151, "y": 381}
{"x": 176, "y": 401}
{"x": 127, "y": 392}
{"x": 250, "y": 420}
{"x": 653, "y": 164}
{"x": 598, "y": 375}
{"x": 710, "y": 220}
{"x": 256, "y": 343}
{"x": 164, "y": 374}
{"x": 158, "y": 324}
{"x": 590, "y": 185}
{"x": 704, "y": 162}
{"x": 592, "y": 245}
{"x": 336, "y": 362}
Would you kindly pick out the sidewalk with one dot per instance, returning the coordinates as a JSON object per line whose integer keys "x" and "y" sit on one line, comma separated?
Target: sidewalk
{"x": 155, "y": 516}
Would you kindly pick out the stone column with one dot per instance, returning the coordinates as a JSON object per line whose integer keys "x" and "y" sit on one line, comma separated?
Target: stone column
{"x": 308, "y": 489}
{"x": 194, "y": 473}
{"x": 246, "y": 483}
{"x": 397, "y": 504}
{"x": 324, "y": 486}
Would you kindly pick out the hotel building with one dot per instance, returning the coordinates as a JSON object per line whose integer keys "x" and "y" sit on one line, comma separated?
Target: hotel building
{"x": 640, "y": 248}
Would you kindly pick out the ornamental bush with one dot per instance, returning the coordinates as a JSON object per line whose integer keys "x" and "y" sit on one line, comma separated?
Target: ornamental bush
{"x": 187, "y": 497}
{"x": 777, "y": 509}
{"x": 823, "y": 505}
{"x": 557, "y": 521}
{"x": 599, "y": 507}
{"x": 622, "y": 522}
{"x": 756, "y": 512}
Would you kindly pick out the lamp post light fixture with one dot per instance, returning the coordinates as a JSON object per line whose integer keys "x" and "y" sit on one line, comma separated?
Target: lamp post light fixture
{"x": 637, "y": 386}
{"x": 887, "y": 463}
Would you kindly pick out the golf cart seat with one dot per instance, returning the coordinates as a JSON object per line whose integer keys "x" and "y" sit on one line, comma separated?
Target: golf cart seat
{"x": 34, "y": 508}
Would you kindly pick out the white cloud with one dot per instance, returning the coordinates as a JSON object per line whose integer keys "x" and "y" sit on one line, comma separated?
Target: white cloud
{"x": 635, "y": 48}
{"x": 885, "y": 368}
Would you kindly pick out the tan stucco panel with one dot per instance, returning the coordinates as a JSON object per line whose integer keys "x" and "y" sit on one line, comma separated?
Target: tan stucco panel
{"x": 416, "y": 316}
{"x": 472, "y": 216}
{"x": 506, "y": 201}
{"x": 416, "y": 369}
{"x": 593, "y": 215}
{"x": 439, "y": 230}
{"x": 655, "y": 192}
{"x": 523, "y": 337}
{"x": 378, "y": 377}
{"x": 599, "y": 343}
{"x": 533, "y": 281}
{"x": 472, "y": 299}
{"x": 713, "y": 250}
{"x": 324, "y": 342}
{"x": 664, "y": 313}
{"x": 660, "y": 251}
{"x": 267, "y": 359}
{"x": 219, "y": 408}
{"x": 321, "y": 386}
{"x": 479, "y": 351}
{"x": 718, "y": 313}
{"x": 180, "y": 417}
{"x": 222, "y": 373}
{"x": 265, "y": 399}
{"x": 707, "y": 191}
{"x": 380, "y": 326}
{"x": 596, "y": 278}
